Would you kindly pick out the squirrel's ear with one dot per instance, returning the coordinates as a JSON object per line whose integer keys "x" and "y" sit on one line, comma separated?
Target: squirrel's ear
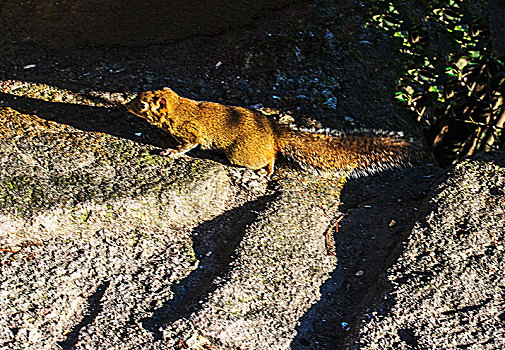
{"x": 162, "y": 103}
{"x": 167, "y": 89}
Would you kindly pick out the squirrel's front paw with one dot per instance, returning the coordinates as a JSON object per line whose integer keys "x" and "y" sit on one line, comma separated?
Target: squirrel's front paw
{"x": 170, "y": 152}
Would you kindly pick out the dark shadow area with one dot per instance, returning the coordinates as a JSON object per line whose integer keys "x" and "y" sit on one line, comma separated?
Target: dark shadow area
{"x": 131, "y": 22}
{"x": 214, "y": 243}
{"x": 408, "y": 336}
{"x": 205, "y": 65}
{"x": 94, "y": 308}
{"x": 113, "y": 121}
{"x": 380, "y": 210}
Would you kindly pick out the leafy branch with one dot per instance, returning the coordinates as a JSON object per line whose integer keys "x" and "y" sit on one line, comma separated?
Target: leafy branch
{"x": 449, "y": 78}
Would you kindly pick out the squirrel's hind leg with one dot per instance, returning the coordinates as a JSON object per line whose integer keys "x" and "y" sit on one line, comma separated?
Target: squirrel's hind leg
{"x": 268, "y": 170}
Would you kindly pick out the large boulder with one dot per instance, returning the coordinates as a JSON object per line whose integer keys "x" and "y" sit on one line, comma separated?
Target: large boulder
{"x": 446, "y": 290}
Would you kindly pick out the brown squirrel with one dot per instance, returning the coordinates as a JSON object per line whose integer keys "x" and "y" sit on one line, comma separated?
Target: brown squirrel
{"x": 248, "y": 138}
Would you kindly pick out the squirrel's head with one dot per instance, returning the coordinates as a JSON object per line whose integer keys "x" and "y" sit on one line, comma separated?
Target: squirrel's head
{"x": 152, "y": 105}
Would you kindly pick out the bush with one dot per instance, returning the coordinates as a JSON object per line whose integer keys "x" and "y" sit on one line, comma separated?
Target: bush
{"x": 450, "y": 78}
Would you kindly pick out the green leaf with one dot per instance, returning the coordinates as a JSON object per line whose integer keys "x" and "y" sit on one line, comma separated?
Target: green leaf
{"x": 474, "y": 54}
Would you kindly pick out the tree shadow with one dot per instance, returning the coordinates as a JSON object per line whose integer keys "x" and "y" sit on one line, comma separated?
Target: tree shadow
{"x": 214, "y": 243}
{"x": 94, "y": 308}
{"x": 380, "y": 212}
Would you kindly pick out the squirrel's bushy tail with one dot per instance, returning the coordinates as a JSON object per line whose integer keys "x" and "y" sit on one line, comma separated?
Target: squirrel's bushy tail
{"x": 354, "y": 154}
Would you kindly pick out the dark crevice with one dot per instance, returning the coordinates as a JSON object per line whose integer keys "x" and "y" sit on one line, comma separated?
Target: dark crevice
{"x": 94, "y": 308}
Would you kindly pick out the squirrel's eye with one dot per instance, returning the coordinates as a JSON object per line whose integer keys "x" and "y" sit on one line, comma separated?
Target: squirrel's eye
{"x": 144, "y": 106}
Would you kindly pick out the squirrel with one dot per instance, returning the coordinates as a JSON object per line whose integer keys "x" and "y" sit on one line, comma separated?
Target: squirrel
{"x": 249, "y": 139}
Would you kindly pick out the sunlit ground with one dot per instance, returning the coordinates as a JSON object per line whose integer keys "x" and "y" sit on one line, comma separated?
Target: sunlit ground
{"x": 50, "y": 93}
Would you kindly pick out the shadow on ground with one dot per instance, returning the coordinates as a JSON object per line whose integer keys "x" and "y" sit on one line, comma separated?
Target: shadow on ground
{"x": 113, "y": 121}
{"x": 214, "y": 244}
{"x": 94, "y": 308}
{"x": 380, "y": 210}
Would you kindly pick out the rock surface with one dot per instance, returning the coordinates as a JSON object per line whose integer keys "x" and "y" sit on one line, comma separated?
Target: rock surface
{"x": 447, "y": 288}
{"x": 105, "y": 244}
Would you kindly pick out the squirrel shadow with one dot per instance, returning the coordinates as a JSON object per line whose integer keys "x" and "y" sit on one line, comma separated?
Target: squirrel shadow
{"x": 115, "y": 121}
{"x": 214, "y": 243}
{"x": 94, "y": 309}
